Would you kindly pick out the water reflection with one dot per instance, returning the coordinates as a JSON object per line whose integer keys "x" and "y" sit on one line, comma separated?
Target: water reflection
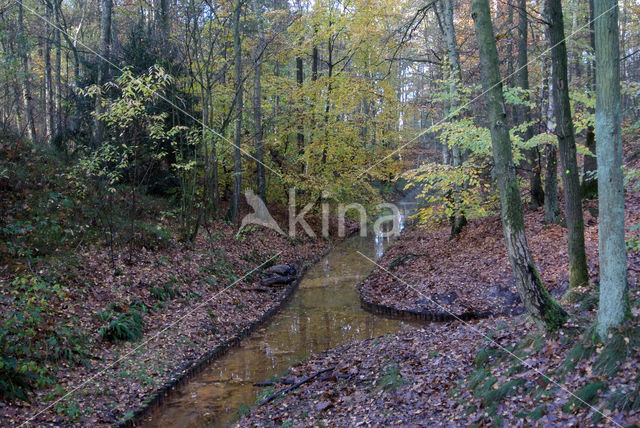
{"x": 324, "y": 313}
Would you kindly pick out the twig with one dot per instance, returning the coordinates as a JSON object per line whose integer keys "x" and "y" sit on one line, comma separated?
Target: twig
{"x": 294, "y": 386}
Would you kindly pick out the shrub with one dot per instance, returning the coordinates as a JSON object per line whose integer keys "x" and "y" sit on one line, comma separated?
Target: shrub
{"x": 126, "y": 326}
{"x": 31, "y": 336}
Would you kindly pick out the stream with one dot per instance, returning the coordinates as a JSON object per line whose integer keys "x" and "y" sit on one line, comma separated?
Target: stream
{"x": 323, "y": 313}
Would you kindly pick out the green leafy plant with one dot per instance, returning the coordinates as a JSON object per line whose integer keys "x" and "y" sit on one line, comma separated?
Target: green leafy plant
{"x": 31, "y": 336}
{"x": 165, "y": 292}
{"x": 126, "y": 326}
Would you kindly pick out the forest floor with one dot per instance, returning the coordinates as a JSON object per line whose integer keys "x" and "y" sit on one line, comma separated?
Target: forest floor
{"x": 89, "y": 334}
{"x": 501, "y": 370}
{"x": 191, "y": 298}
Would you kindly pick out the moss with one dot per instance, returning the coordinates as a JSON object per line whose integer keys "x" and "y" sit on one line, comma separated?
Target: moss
{"x": 513, "y": 370}
{"x": 482, "y": 358}
{"x": 476, "y": 377}
{"x": 626, "y": 400}
{"x": 513, "y": 209}
{"x": 615, "y": 351}
{"x": 554, "y": 316}
{"x": 485, "y": 387}
{"x": 497, "y": 421}
{"x": 577, "y": 353}
{"x": 532, "y": 341}
{"x": 586, "y": 395}
{"x": 538, "y": 412}
{"x": 494, "y": 396}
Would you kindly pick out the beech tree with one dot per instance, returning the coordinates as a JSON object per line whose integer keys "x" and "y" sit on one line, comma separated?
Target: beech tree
{"x": 524, "y": 114}
{"x": 237, "y": 136}
{"x": 458, "y": 220}
{"x": 614, "y": 295}
{"x": 539, "y": 304}
{"x": 578, "y": 273}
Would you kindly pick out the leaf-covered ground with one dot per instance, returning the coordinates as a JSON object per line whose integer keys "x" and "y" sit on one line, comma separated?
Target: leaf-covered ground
{"x": 495, "y": 371}
{"x": 191, "y": 297}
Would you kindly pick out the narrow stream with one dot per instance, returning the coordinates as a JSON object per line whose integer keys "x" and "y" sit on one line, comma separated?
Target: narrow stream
{"x": 323, "y": 313}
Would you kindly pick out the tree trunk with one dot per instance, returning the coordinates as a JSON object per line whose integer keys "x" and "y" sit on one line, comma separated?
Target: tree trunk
{"x": 614, "y": 295}
{"x": 257, "y": 105}
{"x": 590, "y": 166}
{"x": 47, "y": 81}
{"x": 103, "y": 70}
{"x": 23, "y": 50}
{"x": 314, "y": 64}
{"x": 578, "y": 273}
{"x": 237, "y": 137}
{"x": 535, "y": 179}
{"x": 458, "y": 221}
{"x": 551, "y": 203}
{"x": 539, "y": 304}
{"x": 300, "y": 80}
{"x": 58, "y": 82}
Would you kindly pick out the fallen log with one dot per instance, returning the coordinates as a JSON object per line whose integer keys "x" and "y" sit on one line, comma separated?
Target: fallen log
{"x": 294, "y": 386}
{"x": 274, "y": 280}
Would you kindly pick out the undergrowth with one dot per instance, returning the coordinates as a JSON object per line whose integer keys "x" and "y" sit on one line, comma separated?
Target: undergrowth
{"x": 497, "y": 374}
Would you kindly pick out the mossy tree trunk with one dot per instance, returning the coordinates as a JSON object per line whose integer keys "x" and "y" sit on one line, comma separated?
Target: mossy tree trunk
{"x": 539, "y": 304}
{"x": 614, "y": 295}
{"x": 578, "y": 273}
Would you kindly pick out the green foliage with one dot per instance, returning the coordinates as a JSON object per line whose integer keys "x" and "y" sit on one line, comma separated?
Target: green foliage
{"x": 391, "y": 379}
{"x": 619, "y": 345}
{"x": 491, "y": 395}
{"x": 219, "y": 266}
{"x": 401, "y": 260}
{"x": 126, "y": 326}
{"x": 477, "y": 377}
{"x": 579, "y": 352}
{"x": 32, "y": 335}
{"x": 165, "y": 292}
{"x": 585, "y": 395}
{"x": 473, "y": 198}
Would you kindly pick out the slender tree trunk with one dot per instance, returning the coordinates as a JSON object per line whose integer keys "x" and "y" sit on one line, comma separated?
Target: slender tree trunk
{"x": 237, "y": 137}
{"x": 257, "y": 105}
{"x": 590, "y": 166}
{"x": 458, "y": 221}
{"x": 300, "y": 80}
{"x": 614, "y": 295}
{"x": 58, "y": 82}
{"x": 103, "y": 70}
{"x": 509, "y": 48}
{"x": 535, "y": 179}
{"x": 47, "y": 81}
{"x": 13, "y": 87}
{"x": 539, "y": 304}
{"x": 578, "y": 273}
{"x": 23, "y": 52}
{"x": 551, "y": 202}
{"x": 314, "y": 64}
